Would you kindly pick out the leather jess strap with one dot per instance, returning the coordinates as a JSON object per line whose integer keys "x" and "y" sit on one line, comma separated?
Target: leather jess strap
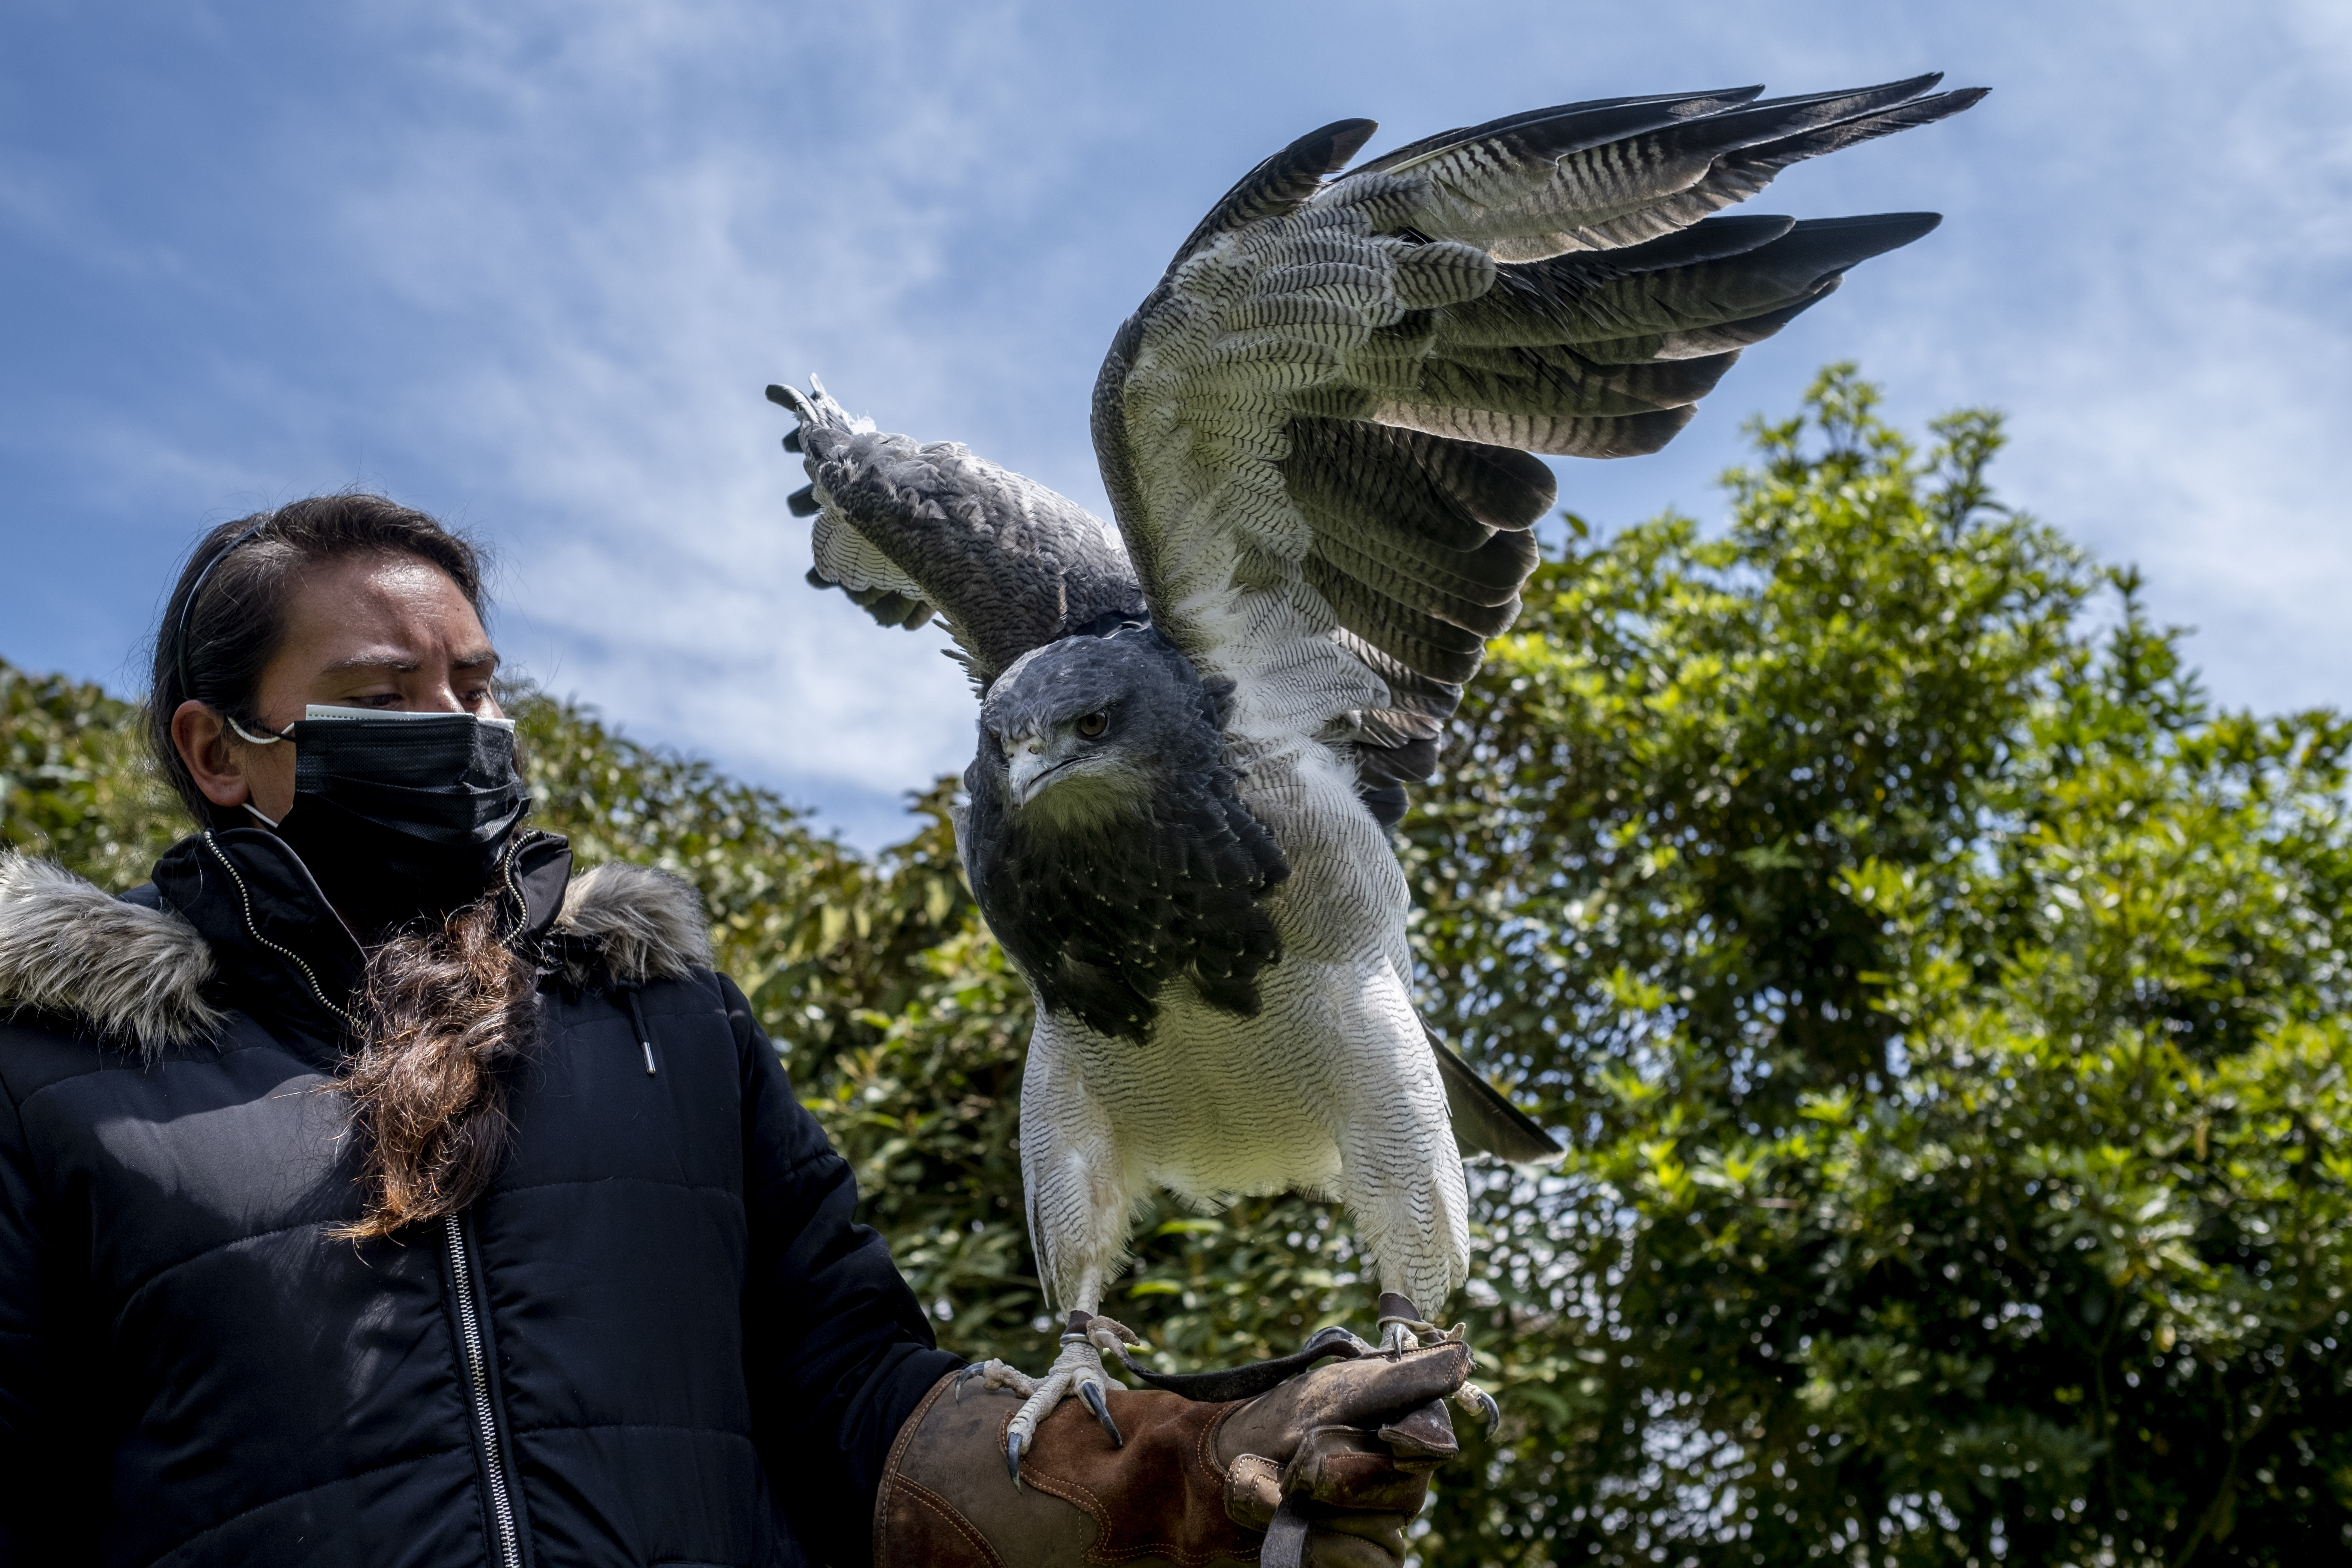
{"x": 1285, "y": 1538}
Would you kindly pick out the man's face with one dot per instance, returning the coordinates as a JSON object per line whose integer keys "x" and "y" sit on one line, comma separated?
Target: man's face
{"x": 365, "y": 631}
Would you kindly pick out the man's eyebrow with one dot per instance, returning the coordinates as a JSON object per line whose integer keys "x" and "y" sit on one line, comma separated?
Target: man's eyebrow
{"x": 394, "y": 664}
{"x": 391, "y": 664}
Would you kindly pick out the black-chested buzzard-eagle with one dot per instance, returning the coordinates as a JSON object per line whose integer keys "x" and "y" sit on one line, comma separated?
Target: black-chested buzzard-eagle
{"x": 1195, "y": 736}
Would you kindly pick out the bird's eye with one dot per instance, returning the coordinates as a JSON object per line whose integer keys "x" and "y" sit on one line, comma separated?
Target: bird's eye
{"x": 1092, "y": 724}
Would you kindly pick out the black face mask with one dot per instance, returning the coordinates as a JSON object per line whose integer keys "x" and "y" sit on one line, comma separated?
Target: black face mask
{"x": 400, "y": 814}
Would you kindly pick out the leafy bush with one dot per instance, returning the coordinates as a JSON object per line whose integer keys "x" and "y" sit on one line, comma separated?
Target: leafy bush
{"x": 1945, "y": 1004}
{"x": 75, "y": 783}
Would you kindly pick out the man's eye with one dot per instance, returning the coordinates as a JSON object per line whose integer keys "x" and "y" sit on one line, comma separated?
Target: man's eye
{"x": 1093, "y": 724}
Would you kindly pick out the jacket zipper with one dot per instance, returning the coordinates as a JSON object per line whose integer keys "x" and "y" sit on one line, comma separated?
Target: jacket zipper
{"x": 507, "y": 1546}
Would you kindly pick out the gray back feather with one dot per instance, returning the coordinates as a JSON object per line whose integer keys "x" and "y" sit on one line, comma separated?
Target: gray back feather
{"x": 1008, "y": 564}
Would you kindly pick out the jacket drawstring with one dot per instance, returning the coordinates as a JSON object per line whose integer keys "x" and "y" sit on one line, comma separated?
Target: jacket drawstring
{"x": 645, "y": 1036}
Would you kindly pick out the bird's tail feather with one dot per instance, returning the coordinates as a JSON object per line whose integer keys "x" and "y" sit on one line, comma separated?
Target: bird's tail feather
{"x": 1484, "y": 1123}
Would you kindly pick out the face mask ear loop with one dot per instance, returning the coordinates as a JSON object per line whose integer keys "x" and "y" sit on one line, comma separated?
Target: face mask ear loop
{"x": 248, "y": 736}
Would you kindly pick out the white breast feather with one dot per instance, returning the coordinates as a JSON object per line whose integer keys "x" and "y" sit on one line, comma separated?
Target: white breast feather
{"x": 1331, "y": 1089}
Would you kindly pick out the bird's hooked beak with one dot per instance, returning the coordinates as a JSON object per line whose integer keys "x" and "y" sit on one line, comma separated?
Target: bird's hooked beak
{"x": 1033, "y": 765}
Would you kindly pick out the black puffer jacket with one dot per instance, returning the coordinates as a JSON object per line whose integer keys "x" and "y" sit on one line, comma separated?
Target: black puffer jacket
{"x": 658, "y": 1338}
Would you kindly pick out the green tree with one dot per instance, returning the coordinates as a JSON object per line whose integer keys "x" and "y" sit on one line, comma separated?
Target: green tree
{"x": 1945, "y": 1004}
{"x": 1946, "y": 1008}
{"x": 75, "y": 783}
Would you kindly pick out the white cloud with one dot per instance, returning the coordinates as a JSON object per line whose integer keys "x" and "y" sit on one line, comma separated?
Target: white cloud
{"x": 631, "y": 298}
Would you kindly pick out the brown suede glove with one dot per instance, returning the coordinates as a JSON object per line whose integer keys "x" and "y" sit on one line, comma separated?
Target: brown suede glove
{"x": 1326, "y": 1471}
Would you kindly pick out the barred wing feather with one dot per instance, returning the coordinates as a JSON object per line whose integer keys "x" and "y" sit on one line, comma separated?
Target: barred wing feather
{"x": 1316, "y": 430}
{"x": 1596, "y": 177}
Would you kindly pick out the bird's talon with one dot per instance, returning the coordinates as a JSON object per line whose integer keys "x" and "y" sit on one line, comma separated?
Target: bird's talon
{"x": 1077, "y": 1371}
{"x": 1093, "y": 1395}
{"x": 1339, "y": 1334}
{"x": 995, "y": 1374}
{"x": 1012, "y": 1456}
{"x": 1481, "y": 1403}
{"x": 1106, "y": 1334}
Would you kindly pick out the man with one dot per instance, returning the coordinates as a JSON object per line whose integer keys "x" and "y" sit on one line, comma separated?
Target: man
{"x": 373, "y": 1191}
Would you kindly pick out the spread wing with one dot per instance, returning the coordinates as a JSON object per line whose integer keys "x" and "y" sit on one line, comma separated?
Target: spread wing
{"x": 1316, "y": 430}
{"x": 915, "y": 533}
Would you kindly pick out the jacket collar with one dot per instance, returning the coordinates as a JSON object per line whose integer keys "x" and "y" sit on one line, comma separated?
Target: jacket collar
{"x": 163, "y": 964}
{"x": 280, "y": 951}
{"x": 283, "y": 953}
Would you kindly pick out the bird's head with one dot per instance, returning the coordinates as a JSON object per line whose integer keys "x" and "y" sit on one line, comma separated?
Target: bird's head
{"x": 1087, "y": 728}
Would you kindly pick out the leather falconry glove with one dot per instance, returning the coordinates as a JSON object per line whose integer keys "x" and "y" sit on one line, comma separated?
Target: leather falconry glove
{"x": 1325, "y": 1471}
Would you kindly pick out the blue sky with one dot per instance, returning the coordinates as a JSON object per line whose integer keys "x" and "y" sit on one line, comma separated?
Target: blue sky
{"x": 529, "y": 266}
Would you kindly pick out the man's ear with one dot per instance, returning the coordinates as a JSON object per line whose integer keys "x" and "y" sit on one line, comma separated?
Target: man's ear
{"x": 203, "y": 744}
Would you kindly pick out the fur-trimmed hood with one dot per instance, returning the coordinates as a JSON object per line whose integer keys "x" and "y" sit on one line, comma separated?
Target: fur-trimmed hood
{"x": 137, "y": 973}
{"x": 642, "y": 924}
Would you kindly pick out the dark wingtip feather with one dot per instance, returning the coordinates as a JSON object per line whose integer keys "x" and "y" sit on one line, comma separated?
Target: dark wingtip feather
{"x": 1857, "y": 239}
{"x": 1638, "y": 435}
{"x": 1337, "y": 143}
{"x": 1562, "y": 127}
{"x": 1709, "y": 239}
{"x": 1283, "y": 182}
{"x": 1881, "y": 93}
{"x": 1387, "y": 803}
{"x": 1518, "y": 488}
{"x": 1745, "y": 277}
{"x": 887, "y": 608}
{"x": 1851, "y": 130}
{"x": 803, "y": 502}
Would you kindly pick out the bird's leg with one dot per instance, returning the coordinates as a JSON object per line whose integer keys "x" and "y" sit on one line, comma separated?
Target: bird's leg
{"x": 1080, "y": 1193}
{"x": 1077, "y": 1371}
{"x": 1401, "y": 1324}
{"x": 1102, "y": 1333}
{"x": 1401, "y": 1330}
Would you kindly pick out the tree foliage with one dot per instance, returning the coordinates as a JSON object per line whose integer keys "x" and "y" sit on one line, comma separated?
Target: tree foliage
{"x": 75, "y": 783}
{"x": 1947, "y": 1008}
{"x": 1945, "y": 1004}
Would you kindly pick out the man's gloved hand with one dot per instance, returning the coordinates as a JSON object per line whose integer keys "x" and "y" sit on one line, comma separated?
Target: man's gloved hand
{"x": 1326, "y": 1471}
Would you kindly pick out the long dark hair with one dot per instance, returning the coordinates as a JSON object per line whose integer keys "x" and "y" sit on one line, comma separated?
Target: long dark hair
{"x": 446, "y": 1008}
{"x": 450, "y": 1010}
